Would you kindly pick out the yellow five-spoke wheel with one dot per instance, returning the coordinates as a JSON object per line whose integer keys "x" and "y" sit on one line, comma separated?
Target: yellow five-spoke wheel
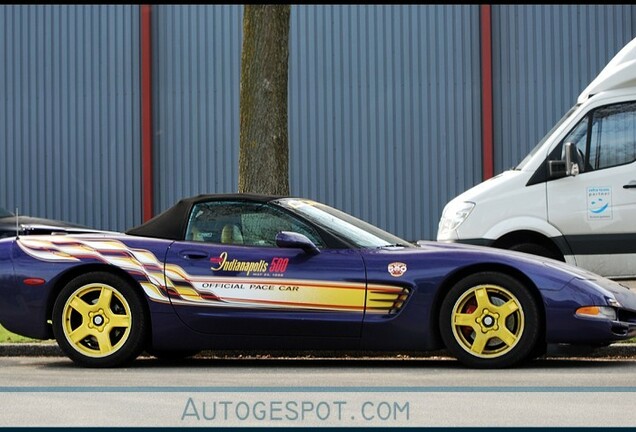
{"x": 99, "y": 320}
{"x": 490, "y": 320}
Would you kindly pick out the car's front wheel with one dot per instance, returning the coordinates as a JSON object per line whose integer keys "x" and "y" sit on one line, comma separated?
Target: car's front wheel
{"x": 99, "y": 320}
{"x": 489, "y": 320}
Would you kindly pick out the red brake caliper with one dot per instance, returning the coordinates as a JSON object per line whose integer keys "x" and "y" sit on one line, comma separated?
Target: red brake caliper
{"x": 468, "y": 309}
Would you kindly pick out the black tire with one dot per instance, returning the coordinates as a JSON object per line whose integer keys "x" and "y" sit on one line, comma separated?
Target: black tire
{"x": 536, "y": 249}
{"x": 99, "y": 320}
{"x": 490, "y": 320}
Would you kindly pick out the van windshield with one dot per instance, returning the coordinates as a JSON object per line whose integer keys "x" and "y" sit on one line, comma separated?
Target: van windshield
{"x": 536, "y": 148}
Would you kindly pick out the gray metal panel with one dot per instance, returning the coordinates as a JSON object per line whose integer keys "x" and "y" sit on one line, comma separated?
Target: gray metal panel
{"x": 543, "y": 57}
{"x": 69, "y": 113}
{"x": 384, "y": 107}
{"x": 385, "y": 110}
{"x": 385, "y": 116}
{"x": 196, "y": 72}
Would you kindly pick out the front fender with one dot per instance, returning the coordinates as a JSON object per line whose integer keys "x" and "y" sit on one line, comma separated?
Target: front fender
{"x": 522, "y": 223}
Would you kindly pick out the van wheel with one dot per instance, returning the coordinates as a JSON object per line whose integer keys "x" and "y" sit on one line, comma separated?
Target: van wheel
{"x": 489, "y": 320}
{"x": 536, "y": 249}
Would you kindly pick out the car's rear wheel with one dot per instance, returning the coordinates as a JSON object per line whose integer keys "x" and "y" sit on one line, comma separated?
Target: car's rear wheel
{"x": 489, "y": 320}
{"x": 99, "y": 320}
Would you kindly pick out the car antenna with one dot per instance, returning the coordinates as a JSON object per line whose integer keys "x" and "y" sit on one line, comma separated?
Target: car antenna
{"x": 17, "y": 224}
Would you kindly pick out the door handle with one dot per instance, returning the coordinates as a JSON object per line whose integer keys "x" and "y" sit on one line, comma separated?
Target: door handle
{"x": 630, "y": 185}
{"x": 194, "y": 255}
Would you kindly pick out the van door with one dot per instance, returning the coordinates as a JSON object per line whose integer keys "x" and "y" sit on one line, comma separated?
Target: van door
{"x": 596, "y": 210}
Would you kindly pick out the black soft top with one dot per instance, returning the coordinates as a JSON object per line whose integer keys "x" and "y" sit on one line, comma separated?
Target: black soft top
{"x": 172, "y": 223}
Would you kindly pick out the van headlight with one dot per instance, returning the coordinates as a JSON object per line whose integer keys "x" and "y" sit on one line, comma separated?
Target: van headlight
{"x": 453, "y": 216}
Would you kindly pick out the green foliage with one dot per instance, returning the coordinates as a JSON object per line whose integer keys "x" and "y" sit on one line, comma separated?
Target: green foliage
{"x": 7, "y": 336}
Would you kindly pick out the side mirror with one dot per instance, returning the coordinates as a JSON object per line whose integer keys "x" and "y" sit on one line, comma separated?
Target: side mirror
{"x": 288, "y": 239}
{"x": 567, "y": 167}
{"x": 556, "y": 169}
{"x": 571, "y": 167}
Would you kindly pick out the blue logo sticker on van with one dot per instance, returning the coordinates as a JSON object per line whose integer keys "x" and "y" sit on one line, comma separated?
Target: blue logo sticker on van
{"x": 599, "y": 203}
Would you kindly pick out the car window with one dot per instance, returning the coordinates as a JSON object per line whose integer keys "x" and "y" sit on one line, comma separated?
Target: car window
{"x": 604, "y": 138}
{"x": 241, "y": 223}
{"x": 578, "y": 137}
{"x": 613, "y": 136}
{"x": 5, "y": 213}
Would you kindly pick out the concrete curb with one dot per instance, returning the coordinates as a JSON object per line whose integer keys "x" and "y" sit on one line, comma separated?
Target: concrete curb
{"x": 39, "y": 349}
{"x": 51, "y": 349}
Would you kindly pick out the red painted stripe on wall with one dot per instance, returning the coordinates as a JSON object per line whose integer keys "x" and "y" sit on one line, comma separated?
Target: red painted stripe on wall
{"x": 147, "y": 195}
{"x": 486, "y": 92}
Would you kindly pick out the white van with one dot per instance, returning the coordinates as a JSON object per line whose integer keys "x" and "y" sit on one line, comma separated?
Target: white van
{"x": 573, "y": 198}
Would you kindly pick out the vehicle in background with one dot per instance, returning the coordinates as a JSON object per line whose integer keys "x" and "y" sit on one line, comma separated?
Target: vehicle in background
{"x": 573, "y": 197}
{"x": 10, "y": 224}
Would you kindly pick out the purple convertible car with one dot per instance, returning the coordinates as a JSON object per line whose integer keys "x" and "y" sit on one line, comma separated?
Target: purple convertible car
{"x": 262, "y": 273}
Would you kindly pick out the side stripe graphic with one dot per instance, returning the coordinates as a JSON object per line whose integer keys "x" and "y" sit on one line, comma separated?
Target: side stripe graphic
{"x": 180, "y": 288}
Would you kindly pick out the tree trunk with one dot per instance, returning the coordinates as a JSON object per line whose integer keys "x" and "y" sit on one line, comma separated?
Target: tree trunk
{"x": 264, "y": 149}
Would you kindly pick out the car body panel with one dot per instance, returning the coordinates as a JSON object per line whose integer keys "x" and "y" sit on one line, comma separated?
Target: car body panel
{"x": 238, "y": 290}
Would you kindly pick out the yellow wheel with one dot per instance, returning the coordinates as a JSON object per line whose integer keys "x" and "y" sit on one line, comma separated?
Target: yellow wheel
{"x": 98, "y": 320}
{"x": 489, "y": 320}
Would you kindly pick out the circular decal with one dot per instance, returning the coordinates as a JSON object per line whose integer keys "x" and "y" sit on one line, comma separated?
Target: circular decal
{"x": 397, "y": 269}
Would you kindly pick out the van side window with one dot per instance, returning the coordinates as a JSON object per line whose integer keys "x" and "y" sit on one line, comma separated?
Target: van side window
{"x": 613, "y": 136}
{"x": 578, "y": 137}
{"x": 604, "y": 138}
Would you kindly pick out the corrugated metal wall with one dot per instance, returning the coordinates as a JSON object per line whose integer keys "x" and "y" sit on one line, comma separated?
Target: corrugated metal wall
{"x": 543, "y": 57}
{"x": 69, "y": 113}
{"x": 196, "y": 73}
{"x": 373, "y": 112}
{"x": 384, "y": 102}
{"x": 384, "y": 109}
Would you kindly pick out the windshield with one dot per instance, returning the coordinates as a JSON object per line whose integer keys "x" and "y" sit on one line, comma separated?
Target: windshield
{"x": 536, "y": 148}
{"x": 5, "y": 213}
{"x": 353, "y": 230}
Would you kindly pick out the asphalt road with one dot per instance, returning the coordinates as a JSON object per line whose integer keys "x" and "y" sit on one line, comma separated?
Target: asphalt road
{"x": 214, "y": 392}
